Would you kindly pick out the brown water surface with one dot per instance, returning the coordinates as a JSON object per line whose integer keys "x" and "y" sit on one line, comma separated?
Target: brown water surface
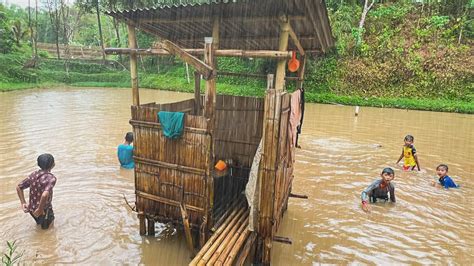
{"x": 341, "y": 155}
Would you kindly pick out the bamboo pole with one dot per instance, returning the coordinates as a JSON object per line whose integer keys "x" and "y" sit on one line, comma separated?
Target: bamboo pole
{"x": 282, "y": 46}
{"x": 245, "y": 251}
{"x": 203, "y": 68}
{"x": 229, "y": 259}
{"x": 234, "y": 242}
{"x": 132, "y": 44}
{"x": 187, "y": 229}
{"x": 197, "y": 93}
{"x": 215, "y": 237}
{"x": 229, "y": 240}
{"x": 141, "y": 219}
{"x": 301, "y": 70}
{"x": 199, "y": 52}
{"x": 208, "y": 254}
{"x": 151, "y": 227}
{"x": 269, "y": 169}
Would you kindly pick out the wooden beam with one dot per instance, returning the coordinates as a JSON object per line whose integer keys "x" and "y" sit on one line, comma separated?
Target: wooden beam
{"x": 281, "y": 66}
{"x": 223, "y": 53}
{"x": 295, "y": 40}
{"x": 258, "y": 76}
{"x": 204, "y": 69}
{"x": 132, "y": 44}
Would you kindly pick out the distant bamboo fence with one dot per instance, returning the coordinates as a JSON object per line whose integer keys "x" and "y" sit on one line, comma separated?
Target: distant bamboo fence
{"x": 75, "y": 51}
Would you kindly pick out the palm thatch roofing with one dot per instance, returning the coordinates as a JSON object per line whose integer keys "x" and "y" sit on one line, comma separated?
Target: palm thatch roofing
{"x": 244, "y": 24}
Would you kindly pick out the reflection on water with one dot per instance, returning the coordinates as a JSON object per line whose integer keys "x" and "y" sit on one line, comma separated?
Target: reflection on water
{"x": 341, "y": 155}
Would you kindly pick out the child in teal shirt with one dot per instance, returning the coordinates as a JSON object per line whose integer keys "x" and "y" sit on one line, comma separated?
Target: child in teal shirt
{"x": 125, "y": 152}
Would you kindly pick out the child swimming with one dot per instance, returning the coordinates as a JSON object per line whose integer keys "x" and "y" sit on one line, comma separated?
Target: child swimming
{"x": 444, "y": 180}
{"x": 379, "y": 189}
{"x": 409, "y": 154}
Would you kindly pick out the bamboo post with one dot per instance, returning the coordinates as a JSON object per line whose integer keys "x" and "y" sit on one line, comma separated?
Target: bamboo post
{"x": 132, "y": 44}
{"x": 141, "y": 219}
{"x": 299, "y": 82}
{"x": 215, "y": 39}
{"x": 209, "y": 110}
{"x": 151, "y": 227}
{"x": 187, "y": 229}
{"x": 197, "y": 93}
{"x": 269, "y": 159}
{"x": 282, "y": 46}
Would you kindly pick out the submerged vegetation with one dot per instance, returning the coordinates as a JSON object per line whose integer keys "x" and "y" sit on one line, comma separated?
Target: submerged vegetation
{"x": 407, "y": 54}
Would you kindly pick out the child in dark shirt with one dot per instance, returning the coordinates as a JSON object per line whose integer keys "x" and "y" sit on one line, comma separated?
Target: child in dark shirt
{"x": 379, "y": 189}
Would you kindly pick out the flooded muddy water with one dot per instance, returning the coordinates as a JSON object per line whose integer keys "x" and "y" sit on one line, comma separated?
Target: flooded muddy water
{"x": 340, "y": 156}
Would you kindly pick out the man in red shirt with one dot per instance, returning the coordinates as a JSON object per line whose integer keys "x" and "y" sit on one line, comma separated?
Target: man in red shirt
{"x": 41, "y": 183}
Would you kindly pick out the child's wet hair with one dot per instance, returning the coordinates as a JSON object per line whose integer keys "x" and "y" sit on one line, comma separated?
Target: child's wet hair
{"x": 45, "y": 161}
{"x": 409, "y": 138}
{"x": 389, "y": 171}
{"x": 129, "y": 137}
{"x": 442, "y": 165}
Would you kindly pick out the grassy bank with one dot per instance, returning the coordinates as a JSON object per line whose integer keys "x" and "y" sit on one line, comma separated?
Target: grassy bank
{"x": 50, "y": 73}
{"x": 171, "y": 83}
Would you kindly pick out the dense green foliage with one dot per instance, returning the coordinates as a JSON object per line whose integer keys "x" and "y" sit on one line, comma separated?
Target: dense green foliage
{"x": 410, "y": 55}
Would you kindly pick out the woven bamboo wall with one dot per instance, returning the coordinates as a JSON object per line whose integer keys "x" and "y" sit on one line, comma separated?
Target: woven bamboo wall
{"x": 239, "y": 125}
{"x": 284, "y": 173}
{"x": 168, "y": 172}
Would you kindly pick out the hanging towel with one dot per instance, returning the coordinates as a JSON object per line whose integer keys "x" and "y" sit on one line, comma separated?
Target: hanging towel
{"x": 172, "y": 124}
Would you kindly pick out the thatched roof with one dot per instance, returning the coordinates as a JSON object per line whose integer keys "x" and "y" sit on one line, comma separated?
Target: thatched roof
{"x": 244, "y": 24}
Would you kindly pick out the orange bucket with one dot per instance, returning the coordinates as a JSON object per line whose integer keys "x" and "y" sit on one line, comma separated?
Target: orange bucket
{"x": 220, "y": 165}
{"x": 293, "y": 64}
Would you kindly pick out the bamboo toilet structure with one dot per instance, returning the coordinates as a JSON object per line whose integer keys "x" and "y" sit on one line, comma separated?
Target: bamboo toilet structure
{"x": 175, "y": 180}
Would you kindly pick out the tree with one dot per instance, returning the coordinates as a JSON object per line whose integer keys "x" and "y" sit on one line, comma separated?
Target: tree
{"x": 19, "y": 33}
{"x": 363, "y": 16}
{"x": 87, "y": 6}
{"x": 52, "y": 6}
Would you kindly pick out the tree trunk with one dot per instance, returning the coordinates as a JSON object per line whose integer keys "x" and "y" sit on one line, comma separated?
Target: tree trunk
{"x": 36, "y": 29}
{"x": 31, "y": 27}
{"x": 366, "y": 10}
{"x": 66, "y": 27}
{"x": 100, "y": 29}
{"x": 56, "y": 21}
{"x": 117, "y": 35}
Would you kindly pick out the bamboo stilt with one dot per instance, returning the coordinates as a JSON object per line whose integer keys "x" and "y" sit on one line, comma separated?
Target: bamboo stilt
{"x": 151, "y": 227}
{"x": 141, "y": 219}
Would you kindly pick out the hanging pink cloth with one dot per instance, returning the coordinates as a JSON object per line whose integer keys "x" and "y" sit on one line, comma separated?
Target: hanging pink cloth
{"x": 295, "y": 118}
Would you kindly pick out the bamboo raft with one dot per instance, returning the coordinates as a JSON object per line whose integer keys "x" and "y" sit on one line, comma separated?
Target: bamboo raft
{"x": 175, "y": 180}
